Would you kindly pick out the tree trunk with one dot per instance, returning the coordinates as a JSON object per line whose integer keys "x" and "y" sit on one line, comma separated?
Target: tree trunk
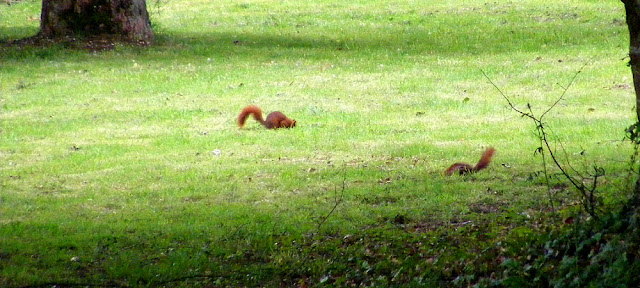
{"x": 632, "y": 9}
{"x": 126, "y": 20}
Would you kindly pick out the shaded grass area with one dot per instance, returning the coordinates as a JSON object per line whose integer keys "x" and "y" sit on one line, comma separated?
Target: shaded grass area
{"x": 109, "y": 171}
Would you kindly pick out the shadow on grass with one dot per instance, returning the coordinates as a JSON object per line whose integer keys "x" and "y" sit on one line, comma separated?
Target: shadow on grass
{"x": 8, "y": 34}
{"x": 445, "y": 41}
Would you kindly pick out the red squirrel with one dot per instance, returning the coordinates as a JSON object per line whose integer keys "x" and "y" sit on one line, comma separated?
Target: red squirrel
{"x": 274, "y": 120}
{"x": 464, "y": 168}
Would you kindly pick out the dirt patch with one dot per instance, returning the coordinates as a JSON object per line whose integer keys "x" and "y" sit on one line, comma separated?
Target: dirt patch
{"x": 429, "y": 226}
{"x": 486, "y": 208}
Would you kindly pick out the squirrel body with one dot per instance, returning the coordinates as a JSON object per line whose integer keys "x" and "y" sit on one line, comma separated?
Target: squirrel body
{"x": 464, "y": 168}
{"x": 274, "y": 120}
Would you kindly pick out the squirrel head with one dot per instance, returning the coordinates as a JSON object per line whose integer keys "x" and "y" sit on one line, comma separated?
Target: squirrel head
{"x": 287, "y": 123}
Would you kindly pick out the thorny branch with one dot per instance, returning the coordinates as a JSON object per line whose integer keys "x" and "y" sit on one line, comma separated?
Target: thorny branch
{"x": 589, "y": 200}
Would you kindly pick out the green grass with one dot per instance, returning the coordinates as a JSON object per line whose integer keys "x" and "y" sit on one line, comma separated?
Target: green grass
{"x": 107, "y": 156}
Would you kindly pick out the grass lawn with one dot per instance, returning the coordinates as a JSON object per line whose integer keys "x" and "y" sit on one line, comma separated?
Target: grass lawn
{"x": 108, "y": 174}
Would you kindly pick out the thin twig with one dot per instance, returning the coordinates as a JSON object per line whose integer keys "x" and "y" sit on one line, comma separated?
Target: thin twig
{"x": 546, "y": 177}
{"x": 573, "y": 79}
{"x": 337, "y": 201}
{"x": 513, "y": 107}
{"x": 566, "y": 159}
{"x": 589, "y": 201}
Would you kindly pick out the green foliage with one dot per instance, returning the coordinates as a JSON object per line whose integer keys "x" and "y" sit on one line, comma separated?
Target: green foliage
{"x": 589, "y": 253}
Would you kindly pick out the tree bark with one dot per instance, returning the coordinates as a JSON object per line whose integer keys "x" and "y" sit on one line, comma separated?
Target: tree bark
{"x": 124, "y": 20}
{"x": 632, "y": 9}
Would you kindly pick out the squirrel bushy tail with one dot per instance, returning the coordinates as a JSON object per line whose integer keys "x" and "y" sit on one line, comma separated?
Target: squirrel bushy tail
{"x": 275, "y": 119}
{"x": 485, "y": 159}
{"x": 251, "y": 109}
{"x": 464, "y": 168}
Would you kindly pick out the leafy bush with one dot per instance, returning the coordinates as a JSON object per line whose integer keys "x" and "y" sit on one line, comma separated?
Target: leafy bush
{"x": 587, "y": 253}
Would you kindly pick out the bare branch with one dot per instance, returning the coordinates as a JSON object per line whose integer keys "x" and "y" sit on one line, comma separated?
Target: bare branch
{"x": 513, "y": 107}
{"x": 587, "y": 196}
{"x": 337, "y": 200}
{"x": 573, "y": 79}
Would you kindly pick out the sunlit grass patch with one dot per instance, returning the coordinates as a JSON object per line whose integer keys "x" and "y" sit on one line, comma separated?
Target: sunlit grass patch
{"x": 126, "y": 167}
